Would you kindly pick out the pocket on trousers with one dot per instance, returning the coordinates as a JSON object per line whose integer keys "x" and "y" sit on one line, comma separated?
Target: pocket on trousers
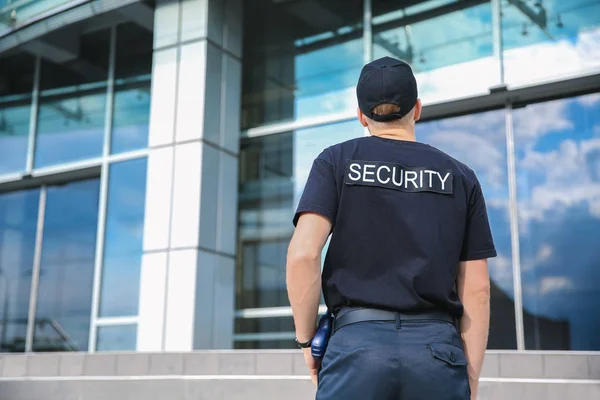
{"x": 448, "y": 353}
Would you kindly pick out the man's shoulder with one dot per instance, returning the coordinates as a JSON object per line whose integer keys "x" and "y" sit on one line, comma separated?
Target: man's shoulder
{"x": 456, "y": 164}
{"x": 332, "y": 152}
{"x": 346, "y": 143}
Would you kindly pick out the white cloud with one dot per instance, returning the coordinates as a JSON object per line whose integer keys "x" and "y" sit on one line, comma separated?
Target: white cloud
{"x": 499, "y": 204}
{"x": 337, "y": 101}
{"x": 588, "y": 47}
{"x": 458, "y": 80}
{"x": 343, "y": 100}
{"x": 544, "y": 118}
{"x": 523, "y": 65}
{"x": 589, "y": 100}
{"x": 501, "y": 272}
{"x": 552, "y": 59}
{"x": 551, "y": 284}
{"x": 542, "y": 258}
{"x": 548, "y": 197}
{"x": 570, "y": 180}
{"x": 590, "y": 145}
{"x": 544, "y": 253}
{"x": 545, "y": 286}
{"x": 595, "y": 208}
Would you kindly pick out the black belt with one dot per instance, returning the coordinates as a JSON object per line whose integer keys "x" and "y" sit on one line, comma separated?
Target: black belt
{"x": 369, "y": 314}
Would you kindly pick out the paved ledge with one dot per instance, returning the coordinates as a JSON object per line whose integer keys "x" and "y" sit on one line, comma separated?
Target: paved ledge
{"x": 538, "y": 391}
{"x": 261, "y": 375}
{"x": 247, "y": 389}
{"x": 263, "y": 363}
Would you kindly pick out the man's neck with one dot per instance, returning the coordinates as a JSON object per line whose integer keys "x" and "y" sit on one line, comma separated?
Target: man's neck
{"x": 396, "y": 134}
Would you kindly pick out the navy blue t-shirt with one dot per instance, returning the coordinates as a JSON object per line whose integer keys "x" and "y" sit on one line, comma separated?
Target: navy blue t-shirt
{"x": 404, "y": 215}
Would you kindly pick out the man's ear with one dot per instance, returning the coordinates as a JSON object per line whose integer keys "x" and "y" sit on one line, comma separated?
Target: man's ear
{"x": 418, "y": 109}
{"x": 361, "y": 117}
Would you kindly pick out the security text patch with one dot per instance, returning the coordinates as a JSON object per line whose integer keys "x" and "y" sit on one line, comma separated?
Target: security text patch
{"x": 395, "y": 176}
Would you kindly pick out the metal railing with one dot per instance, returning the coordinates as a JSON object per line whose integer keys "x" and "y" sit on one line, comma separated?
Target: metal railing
{"x": 42, "y": 342}
{"x": 14, "y": 13}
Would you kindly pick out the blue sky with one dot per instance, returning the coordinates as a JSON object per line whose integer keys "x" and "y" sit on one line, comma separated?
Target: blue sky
{"x": 558, "y": 187}
{"x": 457, "y": 55}
{"x": 61, "y": 139}
{"x": 558, "y": 183}
{"x": 558, "y": 178}
{"x": 457, "y": 62}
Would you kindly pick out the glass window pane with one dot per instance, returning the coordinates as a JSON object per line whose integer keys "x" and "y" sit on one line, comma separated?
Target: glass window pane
{"x": 123, "y": 239}
{"x": 265, "y": 333}
{"x": 558, "y": 176}
{"x": 18, "y": 225}
{"x": 297, "y": 66}
{"x": 70, "y": 128}
{"x": 441, "y": 40}
{"x": 16, "y": 85}
{"x": 117, "y": 338}
{"x": 486, "y": 133}
{"x": 89, "y": 66}
{"x": 131, "y": 117}
{"x": 64, "y": 300}
{"x": 273, "y": 171}
{"x": 560, "y": 41}
{"x": 131, "y": 112}
{"x": 72, "y": 104}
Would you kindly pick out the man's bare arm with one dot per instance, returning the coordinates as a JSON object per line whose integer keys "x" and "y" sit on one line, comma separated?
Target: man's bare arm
{"x": 303, "y": 272}
{"x": 473, "y": 283}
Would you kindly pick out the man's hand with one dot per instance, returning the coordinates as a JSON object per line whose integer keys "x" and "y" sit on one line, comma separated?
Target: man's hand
{"x": 474, "y": 388}
{"x": 312, "y": 364}
{"x": 473, "y": 283}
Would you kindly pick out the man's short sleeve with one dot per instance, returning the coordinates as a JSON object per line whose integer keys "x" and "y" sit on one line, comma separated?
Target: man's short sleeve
{"x": 478, "y": 242}
{"x": 320, "y": 192}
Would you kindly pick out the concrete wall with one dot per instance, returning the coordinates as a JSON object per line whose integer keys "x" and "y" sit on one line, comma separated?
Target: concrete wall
{"x": 188, "y": 267}
{"x": 263, "y": 375}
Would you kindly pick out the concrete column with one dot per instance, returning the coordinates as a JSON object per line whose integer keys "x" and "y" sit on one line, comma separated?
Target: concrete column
{"x": 187, "y": 283}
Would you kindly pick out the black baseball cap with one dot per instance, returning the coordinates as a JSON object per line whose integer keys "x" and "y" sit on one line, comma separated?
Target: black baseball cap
{"x": 386, "y": 81}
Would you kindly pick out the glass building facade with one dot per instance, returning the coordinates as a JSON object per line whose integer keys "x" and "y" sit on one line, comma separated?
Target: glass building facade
{"x": 131, "y": 218}
{"x": 73, "y": 136}
{"x": 536, "y": 160}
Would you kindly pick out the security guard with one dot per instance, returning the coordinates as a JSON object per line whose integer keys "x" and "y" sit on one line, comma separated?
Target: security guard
{"x": 406, "y": 269}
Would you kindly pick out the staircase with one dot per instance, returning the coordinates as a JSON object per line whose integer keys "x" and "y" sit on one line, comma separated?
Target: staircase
{"x": 262, "y": 375}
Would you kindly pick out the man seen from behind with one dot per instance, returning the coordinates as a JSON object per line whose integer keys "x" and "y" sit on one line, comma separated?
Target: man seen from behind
{"x": 406, "y": 272}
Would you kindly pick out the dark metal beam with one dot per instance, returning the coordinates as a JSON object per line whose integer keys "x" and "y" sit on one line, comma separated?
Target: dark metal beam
{"x": 428, "y": 14}
{"x": 59, "y": 46}
{"x": 139, "y": 13}
{"x": 386, "y": 26}
{"x": 405, "y": 55}
{"x": 52, "y": 177}
{"x": 539, "y": 17}
{"x": 56, "y": 18}
{"x": 518, "y": 97}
